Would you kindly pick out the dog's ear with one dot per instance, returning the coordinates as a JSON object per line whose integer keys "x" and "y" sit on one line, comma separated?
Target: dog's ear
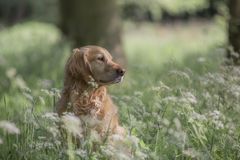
{"x": 77, "y": 65}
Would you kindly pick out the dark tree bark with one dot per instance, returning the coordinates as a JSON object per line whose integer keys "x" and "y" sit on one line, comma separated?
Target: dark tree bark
{"x": 93, "y": 22}
{"x": 234, "y": 31}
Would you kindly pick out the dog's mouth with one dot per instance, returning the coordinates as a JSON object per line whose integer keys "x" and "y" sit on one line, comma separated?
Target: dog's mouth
{"x": 116, "y": 80}
{"x": 119, "y": 79}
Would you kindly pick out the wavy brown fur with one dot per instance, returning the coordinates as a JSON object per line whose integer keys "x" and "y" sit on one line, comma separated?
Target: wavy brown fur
{"x": 83, "y": 96}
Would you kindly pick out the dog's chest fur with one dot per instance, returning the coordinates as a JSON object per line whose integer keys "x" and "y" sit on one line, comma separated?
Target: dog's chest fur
{"x": 87, "y": 101}
{"x": 94, "y": 107}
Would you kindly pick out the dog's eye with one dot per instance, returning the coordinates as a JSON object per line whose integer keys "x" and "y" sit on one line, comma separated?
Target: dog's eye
{"x": 101, "y": 58}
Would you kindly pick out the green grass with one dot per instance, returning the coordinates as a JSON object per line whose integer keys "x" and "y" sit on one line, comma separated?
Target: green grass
{"x": 177, "y": 101}
{"x": 161, "y": 43}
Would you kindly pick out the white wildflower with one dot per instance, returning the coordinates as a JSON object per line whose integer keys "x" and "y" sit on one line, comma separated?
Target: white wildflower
{"x": 155, "y": 115}
{"x": 156, "y": 88}
{"x": 140, "y": 155}
{"x": 28, "y": 96}
{"x": 108, "y": 150}
{"x": 134, "y": 140}
{"x": 117, "y": 138}
{"x": 41, "y": 99}
{"x": 81, "y": 153}
{"x": 29, "y": 118}
{"x": 190, "y": 97}
{"x": 217, "y": 118}
{"x": 190, "y": 152}
{"x": 206, "y": 95}
{"x": 72, "y": 124}
{"x": 41, "y": 138}
{"x": 20, "y": 82}
{"x": 11, "y": 72}
{"x": 54, "y": 131}
{"x": 215, "y": 115}
{"x": 180, "y": 136}
{"x": 127, "y": 98}
{"x": 236, "y": 71}
{"x": 45, "y": 83}
{"x": 218, "y": 124}
{"x": 161, "y": 87}
{"x": 231, "y": 127}
{"x": 170, "y": 131}
{"x": 166, "y": 122}
{"x": 51, "y": 116}
{"x": 212, "y": 78}
{"x": 56, "y": 92}
{"x": 235, "y": 90}
{"x": 177, "y": 123}
{"x": 43, "y": 145}
{"x": 9, "y": 127}
{"x": 138, "y": 94}
{"x": 95, "y": 136}
{"x": 90, "y": 121}
{"x": 57, "y": 142}
{"x": 1, "y": 141}
{"x": 180, "y": 74}
{"x": 170, "y": 99}
{"x": 197, "y": 116}
{"x": 201, "y": 59}
{"x": 233, "y": 53}
{"x": 122, "y": 156}
{"x": 47, "y": 92}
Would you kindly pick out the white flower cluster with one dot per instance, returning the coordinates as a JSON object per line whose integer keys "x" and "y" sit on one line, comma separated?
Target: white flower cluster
{"x": 123, "y": 148}
{"x": 15, "y": 79}
{"x": 72, "y": 124}
{"x": 9, "y": 128}
{"x": 217, "y": 119}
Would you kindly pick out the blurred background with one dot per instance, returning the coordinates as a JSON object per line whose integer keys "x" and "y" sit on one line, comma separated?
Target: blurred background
{"x": 37, "y": 36}
{"x": 148, "y": 37}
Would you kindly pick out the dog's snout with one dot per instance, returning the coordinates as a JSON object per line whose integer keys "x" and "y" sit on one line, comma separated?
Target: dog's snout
{"x": 120, "y": 71}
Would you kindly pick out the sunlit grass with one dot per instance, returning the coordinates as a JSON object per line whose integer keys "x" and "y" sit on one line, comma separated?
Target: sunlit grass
{"x": 155, "y": 44}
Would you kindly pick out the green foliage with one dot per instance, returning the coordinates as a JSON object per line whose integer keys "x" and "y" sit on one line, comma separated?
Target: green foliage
{"x": 14, "y": 11}
{"x": 48, "y": 10}
{"x": 45, "y": 10}
{"x": 31, "y": 49}
{"x": 176, "y": 102}
{"x": 179, "y": 6}
{"x": 173, "y": 7}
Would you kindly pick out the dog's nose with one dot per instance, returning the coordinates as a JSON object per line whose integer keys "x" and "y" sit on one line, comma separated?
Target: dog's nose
{"x": 120, "y": 71}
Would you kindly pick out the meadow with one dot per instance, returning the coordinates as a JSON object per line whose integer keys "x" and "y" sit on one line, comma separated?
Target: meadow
{"x": 178, "y": 100}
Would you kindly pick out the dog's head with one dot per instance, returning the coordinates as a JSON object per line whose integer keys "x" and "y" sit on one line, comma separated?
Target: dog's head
{"x": 95, "y": 62}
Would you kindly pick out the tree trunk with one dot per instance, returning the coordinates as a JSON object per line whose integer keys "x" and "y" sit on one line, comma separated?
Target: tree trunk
{"x": 234, "y": 31}
{"x": 93, "y": 22}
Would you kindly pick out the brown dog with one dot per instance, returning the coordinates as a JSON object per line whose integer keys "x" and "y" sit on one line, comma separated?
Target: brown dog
{"x": 87, "y": 72}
